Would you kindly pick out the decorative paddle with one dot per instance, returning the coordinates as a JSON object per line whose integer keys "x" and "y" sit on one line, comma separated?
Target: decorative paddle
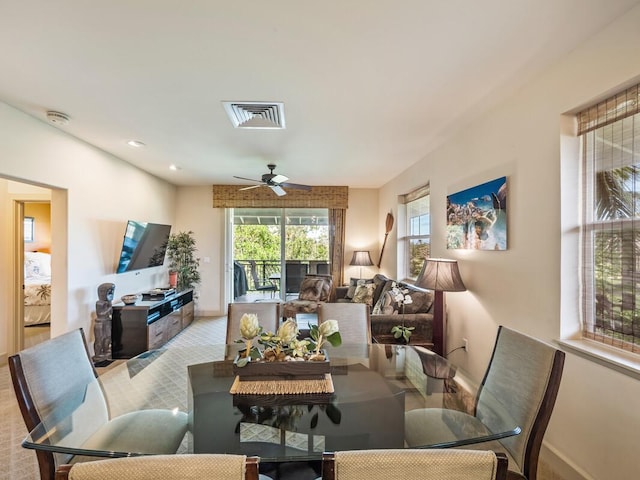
{"x": 388, "y": 227}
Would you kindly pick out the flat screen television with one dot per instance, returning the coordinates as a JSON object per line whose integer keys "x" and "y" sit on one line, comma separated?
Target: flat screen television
{"x": 144, "y": 246}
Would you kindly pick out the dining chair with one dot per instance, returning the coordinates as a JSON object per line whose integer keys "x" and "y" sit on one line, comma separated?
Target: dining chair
{"x": 152, "y": 467}
{"x": 268, "y": 315}
{"x": 426, "y": 464}
{"x": 294, "y": 274}
{"x": 56, "y": 385}
{"x": 353, "y": 321}
{"x": 522, "y": 380}
{"x": 261, "y": 284}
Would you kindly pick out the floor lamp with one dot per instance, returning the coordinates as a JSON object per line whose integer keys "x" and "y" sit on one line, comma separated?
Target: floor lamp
{"x": 361, "y": 258}
{"x": 440, "y": 275}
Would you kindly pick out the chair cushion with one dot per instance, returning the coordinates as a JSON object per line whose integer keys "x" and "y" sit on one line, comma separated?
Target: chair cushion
{"x": 188, "y": 467}
{"x": 434, "y": 464}
{"x": 293, "y": 307}
{"x": 311, "y": 288}
{"x": 142, "y": 431}
{"x": 316, "y": 287}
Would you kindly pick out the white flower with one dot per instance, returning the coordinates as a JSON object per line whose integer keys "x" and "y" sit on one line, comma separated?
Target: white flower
{"x": 328, "y": 328}
{"x": 288, "y": 331}
{"x": 407, "y": 299}
{"x": 249, "y": 326}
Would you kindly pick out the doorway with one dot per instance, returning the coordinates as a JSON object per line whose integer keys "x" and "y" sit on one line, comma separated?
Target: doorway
{"x": 274, "y": 248}
{"x": 37, "y": 278}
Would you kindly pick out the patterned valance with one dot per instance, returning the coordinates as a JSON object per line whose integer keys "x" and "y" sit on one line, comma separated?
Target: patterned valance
{"x": 230, "y": 196}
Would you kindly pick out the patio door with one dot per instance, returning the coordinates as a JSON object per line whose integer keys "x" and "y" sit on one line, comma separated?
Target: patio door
{"x": 273, "y": 248}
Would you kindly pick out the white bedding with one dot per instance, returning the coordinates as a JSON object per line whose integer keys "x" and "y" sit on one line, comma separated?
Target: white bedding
{"x": 37, "y": 288}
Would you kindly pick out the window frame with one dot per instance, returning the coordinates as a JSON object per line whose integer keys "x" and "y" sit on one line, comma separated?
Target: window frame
{"x": 407, "y": 237}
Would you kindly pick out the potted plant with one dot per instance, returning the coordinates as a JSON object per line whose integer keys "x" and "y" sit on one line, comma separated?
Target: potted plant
{"x": 181, "y": 249}
{"x": 402, "y": 298}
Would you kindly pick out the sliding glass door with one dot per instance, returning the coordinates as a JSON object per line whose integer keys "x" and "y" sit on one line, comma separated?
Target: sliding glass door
{"x": 273, "y": 248}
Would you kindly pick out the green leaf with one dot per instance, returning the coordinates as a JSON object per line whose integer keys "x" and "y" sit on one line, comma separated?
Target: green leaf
{"x": 242, "y": 361}
{"x": 335, "y": 339}
{"x": 334, "y": 414}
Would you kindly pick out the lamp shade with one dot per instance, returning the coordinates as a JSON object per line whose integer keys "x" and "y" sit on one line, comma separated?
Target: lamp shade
{"x": 361, "y": 258}
{"x": 440, "y": 274}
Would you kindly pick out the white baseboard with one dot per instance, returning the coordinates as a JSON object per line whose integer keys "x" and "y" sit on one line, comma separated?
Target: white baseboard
{"x": 563, "y": 468}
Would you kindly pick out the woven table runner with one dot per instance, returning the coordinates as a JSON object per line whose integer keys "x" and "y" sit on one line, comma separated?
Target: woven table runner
{"x": 322, "y": 384}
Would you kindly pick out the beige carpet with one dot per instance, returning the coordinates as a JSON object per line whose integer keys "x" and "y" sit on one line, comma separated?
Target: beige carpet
{"x": 163, "y": 381}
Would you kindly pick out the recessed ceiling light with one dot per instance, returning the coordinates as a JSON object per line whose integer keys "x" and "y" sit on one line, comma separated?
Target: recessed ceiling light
{"x": 135, "y": 143}
{"x": 174, "y": 167}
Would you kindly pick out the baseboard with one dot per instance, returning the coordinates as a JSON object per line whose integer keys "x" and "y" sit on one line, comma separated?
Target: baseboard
{"x": 563, "y": 468}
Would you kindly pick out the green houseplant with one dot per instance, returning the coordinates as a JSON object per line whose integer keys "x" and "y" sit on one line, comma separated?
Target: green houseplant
{"x": 181, "y": 250}
{"x": 402, "y": 298}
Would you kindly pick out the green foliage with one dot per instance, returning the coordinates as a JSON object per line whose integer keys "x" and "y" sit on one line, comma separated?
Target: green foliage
{"x": 400, "y": 331}
{"x": 262, "y": 242}
{"x": 181, "y": 249}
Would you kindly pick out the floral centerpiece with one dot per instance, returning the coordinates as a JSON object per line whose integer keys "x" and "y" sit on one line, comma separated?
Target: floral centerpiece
{"x": 402, "y": 297}
{"x": 284, "y": 344}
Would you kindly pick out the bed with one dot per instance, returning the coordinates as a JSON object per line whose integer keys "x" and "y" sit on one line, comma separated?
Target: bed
{"x": 37, "y": 288}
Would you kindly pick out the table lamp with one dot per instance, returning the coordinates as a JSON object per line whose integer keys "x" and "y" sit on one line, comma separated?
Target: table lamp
{"x": 440, "y": 275}
{"x": 362, "y": 258}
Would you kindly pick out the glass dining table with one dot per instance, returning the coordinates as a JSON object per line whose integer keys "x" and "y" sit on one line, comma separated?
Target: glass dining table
{"x": 373, "y": 387}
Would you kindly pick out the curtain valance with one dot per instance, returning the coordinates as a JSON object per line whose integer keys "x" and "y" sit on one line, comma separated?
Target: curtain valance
{"x": 230, "y": 196}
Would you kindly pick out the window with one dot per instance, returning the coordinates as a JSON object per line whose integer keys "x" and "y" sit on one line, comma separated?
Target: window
{"x": 610, "y": 225}
{"x": 417, "y": 242}
{"x": 29, "y": 223}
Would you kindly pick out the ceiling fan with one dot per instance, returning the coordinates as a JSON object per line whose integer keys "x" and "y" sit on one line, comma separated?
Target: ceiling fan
{"x": 274, "y": 181}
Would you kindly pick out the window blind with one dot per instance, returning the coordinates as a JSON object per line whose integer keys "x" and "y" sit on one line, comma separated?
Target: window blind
{"x": 610, "y": 226}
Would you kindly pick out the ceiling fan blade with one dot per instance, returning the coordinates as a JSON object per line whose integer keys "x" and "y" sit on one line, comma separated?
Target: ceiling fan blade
{"x": 278, "y": 179}
{"x": 296, "y": 185}
{"x": 249, "y": 188}
{"x": 278, "y": 190}
{"x": 250, "y": 179}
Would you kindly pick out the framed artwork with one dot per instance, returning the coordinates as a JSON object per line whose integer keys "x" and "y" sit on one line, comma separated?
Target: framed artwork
{"x": 477, "y": 217}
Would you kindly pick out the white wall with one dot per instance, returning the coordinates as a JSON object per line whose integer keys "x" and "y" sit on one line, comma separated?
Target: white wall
{"x": 93, "y": 195}
{"x": 596, "y": 424}
{"x": 194, "y": 211}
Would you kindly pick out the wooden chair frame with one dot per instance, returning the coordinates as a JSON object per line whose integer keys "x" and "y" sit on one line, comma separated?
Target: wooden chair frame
{"x": 46, "y": 462}
{"x": 541, "y": 420}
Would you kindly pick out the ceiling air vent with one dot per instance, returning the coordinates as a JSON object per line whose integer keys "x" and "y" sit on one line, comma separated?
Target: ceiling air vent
{"x": 255, "y": 114}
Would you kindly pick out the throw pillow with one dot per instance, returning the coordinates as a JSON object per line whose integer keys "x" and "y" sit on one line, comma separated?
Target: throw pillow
{"x": 364, "y": 294}
{"x": 353, "y": 283}
{"x": 387, "y": 304}
{"x": 311, "y": 288}
{"x": 421, "y": 301}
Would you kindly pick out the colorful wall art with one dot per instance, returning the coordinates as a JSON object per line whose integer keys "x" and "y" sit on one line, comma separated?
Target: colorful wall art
{"x": 477, "y": 217}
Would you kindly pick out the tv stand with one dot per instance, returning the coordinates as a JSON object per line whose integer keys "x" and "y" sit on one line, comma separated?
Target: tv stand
{"x": 149, "y": 324}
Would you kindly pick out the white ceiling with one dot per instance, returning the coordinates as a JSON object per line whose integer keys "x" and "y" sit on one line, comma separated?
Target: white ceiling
{"x": 369, "y": 86}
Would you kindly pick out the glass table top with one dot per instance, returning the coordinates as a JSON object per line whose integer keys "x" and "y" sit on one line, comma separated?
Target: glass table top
{"x": 374, "y": 386}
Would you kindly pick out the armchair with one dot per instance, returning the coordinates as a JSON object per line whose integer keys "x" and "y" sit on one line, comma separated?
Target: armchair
{"x": 314, "y": 291}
